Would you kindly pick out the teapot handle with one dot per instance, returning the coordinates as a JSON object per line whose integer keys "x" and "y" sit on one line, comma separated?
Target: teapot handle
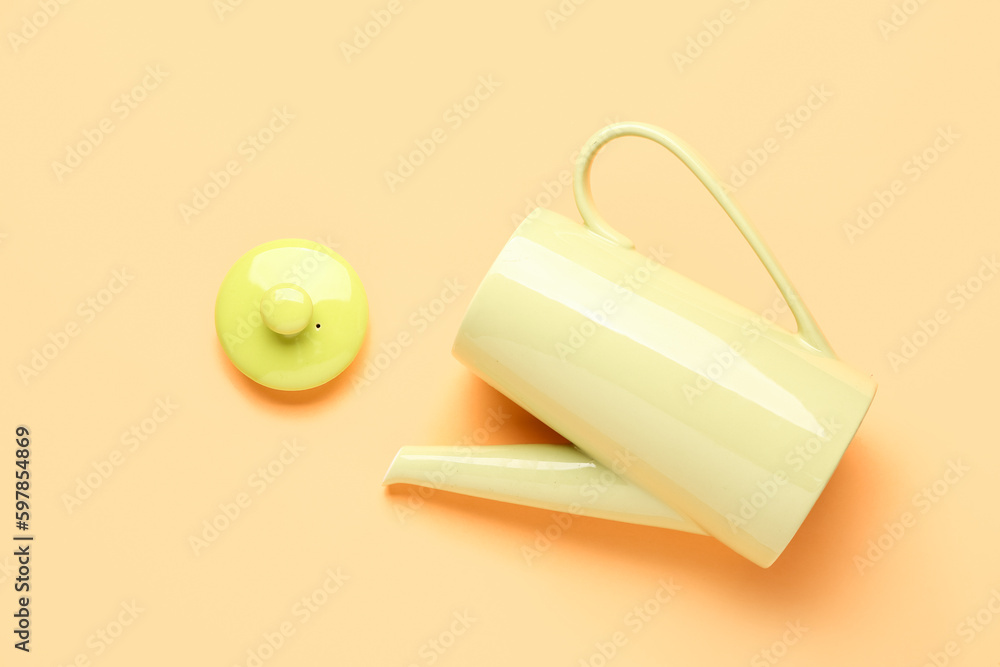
{"x": 808, "y": 330}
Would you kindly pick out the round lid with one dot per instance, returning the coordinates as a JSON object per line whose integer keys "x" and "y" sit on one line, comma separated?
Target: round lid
{"x": 291, "y": 314}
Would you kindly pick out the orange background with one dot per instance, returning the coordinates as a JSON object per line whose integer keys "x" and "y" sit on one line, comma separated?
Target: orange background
{"x": 869, "y": 590}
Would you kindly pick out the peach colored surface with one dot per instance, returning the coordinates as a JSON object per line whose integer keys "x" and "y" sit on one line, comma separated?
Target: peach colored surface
{"x": 146, "y": 146}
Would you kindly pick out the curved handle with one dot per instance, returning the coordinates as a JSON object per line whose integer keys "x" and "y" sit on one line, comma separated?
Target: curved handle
{"x": 808, "y": 331}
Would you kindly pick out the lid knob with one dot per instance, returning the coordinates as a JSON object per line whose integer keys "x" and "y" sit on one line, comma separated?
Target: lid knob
{"x": 286, "y": 309}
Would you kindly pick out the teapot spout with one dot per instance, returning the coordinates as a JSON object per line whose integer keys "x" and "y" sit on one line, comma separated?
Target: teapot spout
{"x": 559, "y": 478}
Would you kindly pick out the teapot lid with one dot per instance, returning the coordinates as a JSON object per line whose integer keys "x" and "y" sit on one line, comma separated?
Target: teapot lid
{"x": 291, "y": 314}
